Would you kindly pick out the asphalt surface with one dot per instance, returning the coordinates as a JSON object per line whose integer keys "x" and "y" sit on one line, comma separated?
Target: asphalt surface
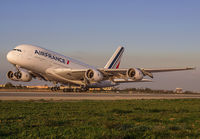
{"x": 89, "y": 96}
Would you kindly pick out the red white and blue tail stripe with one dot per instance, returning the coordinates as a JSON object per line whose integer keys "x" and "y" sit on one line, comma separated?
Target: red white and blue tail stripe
{"x": 114, "y": 61}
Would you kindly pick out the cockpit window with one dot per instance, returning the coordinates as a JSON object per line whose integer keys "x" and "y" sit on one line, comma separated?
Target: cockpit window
{"x": 19, "y": 50}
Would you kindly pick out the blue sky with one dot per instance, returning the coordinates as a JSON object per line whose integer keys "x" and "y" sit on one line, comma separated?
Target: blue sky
{"x": 155, "y": 33}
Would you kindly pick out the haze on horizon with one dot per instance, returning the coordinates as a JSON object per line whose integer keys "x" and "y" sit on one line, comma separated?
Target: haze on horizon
{"x": 156, "y": 34}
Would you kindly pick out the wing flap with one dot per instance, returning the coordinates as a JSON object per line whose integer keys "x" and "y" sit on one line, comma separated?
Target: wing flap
{"x": 129, "y": 80}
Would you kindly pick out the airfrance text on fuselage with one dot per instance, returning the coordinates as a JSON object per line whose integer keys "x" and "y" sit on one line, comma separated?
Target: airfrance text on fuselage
{"x": 45, "y": 54}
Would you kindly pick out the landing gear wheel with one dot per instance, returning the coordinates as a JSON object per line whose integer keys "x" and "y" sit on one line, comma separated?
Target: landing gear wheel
{"x": 55, "y": 88}
{"x": 84, "y": 89}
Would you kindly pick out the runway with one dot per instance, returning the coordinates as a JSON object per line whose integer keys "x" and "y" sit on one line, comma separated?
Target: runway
{"x": 89, "y": 96}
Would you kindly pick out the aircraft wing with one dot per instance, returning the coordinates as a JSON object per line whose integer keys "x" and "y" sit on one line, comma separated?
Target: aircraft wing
{"x": 148, "y": 72}
{"x": 77, "y": 76}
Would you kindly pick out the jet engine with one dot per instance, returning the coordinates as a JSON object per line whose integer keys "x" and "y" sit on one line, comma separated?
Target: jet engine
{"x": 93, "y": 75}
{"x": 134, "y": 74}
{"x": 19, "y": 76}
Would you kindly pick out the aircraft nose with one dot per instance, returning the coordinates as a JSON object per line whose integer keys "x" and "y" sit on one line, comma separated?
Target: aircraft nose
{"x": 10, "y": 57}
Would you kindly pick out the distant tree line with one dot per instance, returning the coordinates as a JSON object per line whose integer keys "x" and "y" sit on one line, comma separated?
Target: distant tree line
{"x": 148, "y": 90}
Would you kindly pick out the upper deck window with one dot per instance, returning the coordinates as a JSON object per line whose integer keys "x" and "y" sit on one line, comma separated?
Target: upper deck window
{"x": 19, "y": 50}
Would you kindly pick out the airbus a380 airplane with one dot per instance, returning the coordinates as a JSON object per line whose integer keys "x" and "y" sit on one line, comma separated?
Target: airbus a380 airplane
{"x": 50, "y": 66}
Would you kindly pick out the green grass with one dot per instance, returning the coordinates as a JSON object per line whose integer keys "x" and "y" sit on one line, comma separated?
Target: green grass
{"x": 100, "y": 119}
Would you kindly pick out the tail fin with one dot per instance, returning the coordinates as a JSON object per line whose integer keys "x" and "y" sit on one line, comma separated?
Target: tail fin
{"x": 114, "y": 61}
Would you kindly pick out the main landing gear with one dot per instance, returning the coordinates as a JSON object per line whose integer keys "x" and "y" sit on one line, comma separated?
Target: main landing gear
{"x": 75, "y": 89}
{"x": 56, "y": 88}
{"x": 69, "y": 88}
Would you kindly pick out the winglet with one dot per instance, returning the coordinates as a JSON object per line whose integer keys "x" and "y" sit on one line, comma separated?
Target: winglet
{"x": 114, "y": 61}
{"x": 191, "y": 68}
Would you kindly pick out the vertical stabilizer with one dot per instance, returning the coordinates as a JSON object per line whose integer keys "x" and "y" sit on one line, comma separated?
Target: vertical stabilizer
{"x": 114, "y": 61}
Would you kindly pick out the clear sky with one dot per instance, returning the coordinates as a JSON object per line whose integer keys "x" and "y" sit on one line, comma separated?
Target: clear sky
{"x": 155, "y": 34}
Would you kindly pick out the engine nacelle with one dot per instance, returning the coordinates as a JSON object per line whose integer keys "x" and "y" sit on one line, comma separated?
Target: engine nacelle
{"x": 11, "y": 76}
{"x": 93, "y": 75}
{"x": 134, "y": 74}
{"x": 19, "y": 76}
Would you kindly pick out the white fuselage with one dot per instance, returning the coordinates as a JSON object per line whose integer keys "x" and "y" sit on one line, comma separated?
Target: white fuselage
{"x": 39, "y": 60}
